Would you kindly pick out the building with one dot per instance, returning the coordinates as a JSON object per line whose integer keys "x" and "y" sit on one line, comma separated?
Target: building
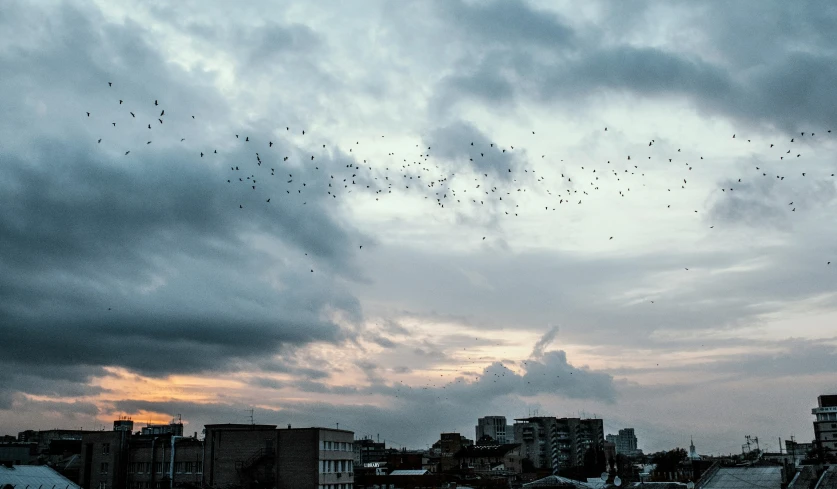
{"x": 493, "y": 426}
{"x": 368, "y": 450}
{"x": 798, "y": 450}
{"x": 237, "y": 452}
{"x": 242, "y": 455}
{"x": 104, "y": 460}
{"x": 315, "y": 458}
{"x": 557, "y": 442}
{"x": 123, "y": 423}
{"x": 626, "y": 443}
{"x": 447, "y": 447}
{"x": 23, "y": 453}
{"x": 120, "y": 459}
{"x": 693, "y": 454}
{"x": 825, "y": 425}
{"x": 173, "y": 428}
{"x": 149, "y": 461}
{"x": 491, "y": 459}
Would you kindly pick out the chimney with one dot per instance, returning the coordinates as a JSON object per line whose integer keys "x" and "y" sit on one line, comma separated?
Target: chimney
{"x": 289, "y": 426}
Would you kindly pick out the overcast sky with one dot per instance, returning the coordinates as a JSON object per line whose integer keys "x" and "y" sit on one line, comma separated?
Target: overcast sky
{"x": 660, "y": 274}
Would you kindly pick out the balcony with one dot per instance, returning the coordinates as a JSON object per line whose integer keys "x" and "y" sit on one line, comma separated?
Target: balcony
{"x": 822, "y": 410}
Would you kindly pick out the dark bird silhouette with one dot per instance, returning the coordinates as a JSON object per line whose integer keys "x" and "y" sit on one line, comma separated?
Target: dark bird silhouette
{"x": 110, "y": 84}
{"x": 88, "y": 114}
{"x": 163, "y": 113}
{"x": 132, "y": 114}
{"x": 155, "y": 102}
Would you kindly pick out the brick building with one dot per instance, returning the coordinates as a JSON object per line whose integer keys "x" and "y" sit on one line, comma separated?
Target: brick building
{"x": 120, "y": 459}
{"x": 315, "y": 458}
{"x": 103, "y": 459}
{"x": 149, "y": 461}
{"x": 261, "y": 456}
{"x": 239, "y": 453}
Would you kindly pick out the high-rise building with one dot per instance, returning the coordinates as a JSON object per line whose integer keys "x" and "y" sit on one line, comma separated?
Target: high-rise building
{"x": 626, "y": 442}
{"x": 557, "y": 442}
{"x": 493, "y": 426}
{"x": 825, "y": 426}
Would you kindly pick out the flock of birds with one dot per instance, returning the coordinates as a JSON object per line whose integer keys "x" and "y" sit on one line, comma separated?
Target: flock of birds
{"x": 495, "y": 178}
{"x": 492, "y": 176}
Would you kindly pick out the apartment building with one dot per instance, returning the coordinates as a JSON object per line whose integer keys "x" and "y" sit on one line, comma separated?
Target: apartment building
{"x": 557, "y": 442}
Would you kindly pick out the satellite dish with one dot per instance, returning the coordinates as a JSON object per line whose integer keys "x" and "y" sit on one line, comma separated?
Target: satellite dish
{"x": 617, "y": 481}
{"x": 604, "y": 476}
{"x": 690, "y": 485}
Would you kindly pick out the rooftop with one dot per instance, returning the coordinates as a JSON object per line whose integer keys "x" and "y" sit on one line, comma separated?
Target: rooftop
{"x": 34, "y": 476}
{"x": 828, "y": 479}
{"x": 744, "y": 478}
{"x": 556, "y": 481}
{"x": 409, "y": 472}
{"x": 486, "y": 450}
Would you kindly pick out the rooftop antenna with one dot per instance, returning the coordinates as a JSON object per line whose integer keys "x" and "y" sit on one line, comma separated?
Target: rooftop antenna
{"x": 252, "y": 417}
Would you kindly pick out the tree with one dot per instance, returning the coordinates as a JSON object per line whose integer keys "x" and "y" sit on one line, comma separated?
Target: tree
{"x": 594, "y": 462}
{"x": 669, "y": 461}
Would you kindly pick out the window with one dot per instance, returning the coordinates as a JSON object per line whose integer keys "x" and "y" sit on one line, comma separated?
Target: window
{"x": 178, "y": 467}
{"x": 103, "y": 468}
{"x": 166, "y": 467}
{"x": 199, "y": 467}
{"x": 158, "y": 467}
{"x": 187, "y": 467}
{"x": 103, "y": 485}
{"x": 105, "y": 448}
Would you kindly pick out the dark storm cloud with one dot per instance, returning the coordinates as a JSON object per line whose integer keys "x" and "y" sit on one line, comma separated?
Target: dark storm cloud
{"x": 140, "y": 261}
{"x": 507, "y": 23}
{"x": 791, "y": 87}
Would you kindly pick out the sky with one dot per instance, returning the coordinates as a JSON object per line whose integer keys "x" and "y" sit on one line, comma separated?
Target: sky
{"x": 645, "y": 266}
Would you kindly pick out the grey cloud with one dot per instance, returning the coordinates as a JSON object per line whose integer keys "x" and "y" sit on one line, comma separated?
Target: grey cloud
{"x": 382, "y": 341}
{"x": 507, "y": 22}
{"x": 789, "y": 87}
{"x": 453, "y": 144}
{"x": 544, "y": 341}
{"x": 142, "y": 261}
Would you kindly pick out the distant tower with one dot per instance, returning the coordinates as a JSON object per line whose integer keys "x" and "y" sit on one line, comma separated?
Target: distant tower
{"x": 692, "y": 452}
{"x": 124, "y": 423}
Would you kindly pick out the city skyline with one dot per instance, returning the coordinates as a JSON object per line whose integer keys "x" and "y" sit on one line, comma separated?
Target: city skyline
{"x": 688, "y": 291}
